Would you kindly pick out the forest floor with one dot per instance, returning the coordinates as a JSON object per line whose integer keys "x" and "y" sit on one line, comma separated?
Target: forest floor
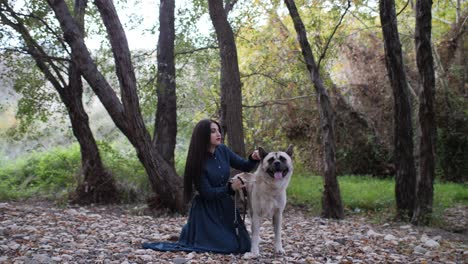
{"x": 40, "y": 232}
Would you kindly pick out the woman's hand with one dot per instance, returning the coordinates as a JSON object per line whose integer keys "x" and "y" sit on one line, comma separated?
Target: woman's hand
{"x": 236, "y": 184}
{"x": 256, "y": 155}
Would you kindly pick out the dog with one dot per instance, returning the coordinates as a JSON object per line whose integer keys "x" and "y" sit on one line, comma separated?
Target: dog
{"x": 266, "y": 189}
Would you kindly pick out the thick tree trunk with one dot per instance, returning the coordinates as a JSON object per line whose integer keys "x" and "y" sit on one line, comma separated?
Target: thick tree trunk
{"x": 98, "y": 185}
{"x": 126, "y": 115}
{"x": 165, "y": 130}
{"x": 404, "y": 161}
{"x": 332, "y": 206}
{"x": 231, "y": 93}
{"x": 425, "y": 189}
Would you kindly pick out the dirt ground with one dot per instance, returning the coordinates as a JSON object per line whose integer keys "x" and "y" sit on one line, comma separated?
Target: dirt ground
{"x": 40, "y": 232}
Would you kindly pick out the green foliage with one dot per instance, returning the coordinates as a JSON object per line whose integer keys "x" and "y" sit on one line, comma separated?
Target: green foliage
{"x": 452, "y": 147}
{"x": 361, "y": 156}
{"x": 127, "y": 171}
{"x": 57, "y": 171}
{"x": 44, "y": 174}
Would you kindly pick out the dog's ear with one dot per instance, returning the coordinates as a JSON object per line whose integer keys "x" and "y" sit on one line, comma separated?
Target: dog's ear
{"x": 289, "y": 151}
{"x": 262, "y": 152}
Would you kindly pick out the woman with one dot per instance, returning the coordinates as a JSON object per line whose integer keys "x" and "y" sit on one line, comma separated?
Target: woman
{"x": 210, "y": 226}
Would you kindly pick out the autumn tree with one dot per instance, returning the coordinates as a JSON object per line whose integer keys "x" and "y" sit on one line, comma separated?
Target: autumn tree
{"x": 98, "y": 185}
{"x": 332, "y": 206}
{"x": 403, "y": 140}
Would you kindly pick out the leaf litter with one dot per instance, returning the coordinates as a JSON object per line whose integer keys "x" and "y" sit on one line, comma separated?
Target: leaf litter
{"x": 39, "y": 232}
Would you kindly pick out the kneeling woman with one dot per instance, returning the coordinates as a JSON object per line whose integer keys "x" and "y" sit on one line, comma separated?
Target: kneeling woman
{"x": 210, "y": 226}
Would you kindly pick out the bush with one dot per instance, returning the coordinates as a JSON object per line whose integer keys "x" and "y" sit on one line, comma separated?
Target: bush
{"x": 44, "y": 173}
{"x": 56, "y": 172}
{"x": 128, "y": 172}
{"x": 452, "y": 148}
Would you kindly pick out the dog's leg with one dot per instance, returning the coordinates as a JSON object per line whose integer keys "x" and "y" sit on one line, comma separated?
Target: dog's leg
{"x": 255, "y": 235}
{"x": 277, "y": 219}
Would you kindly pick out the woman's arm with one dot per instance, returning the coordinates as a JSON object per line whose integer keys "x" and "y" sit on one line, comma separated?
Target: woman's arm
{"x": 240, "y": 163}
{"x": 209, "y": 192}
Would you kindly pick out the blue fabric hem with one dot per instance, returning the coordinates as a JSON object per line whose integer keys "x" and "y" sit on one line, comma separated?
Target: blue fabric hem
{"x": 173, "y": 247}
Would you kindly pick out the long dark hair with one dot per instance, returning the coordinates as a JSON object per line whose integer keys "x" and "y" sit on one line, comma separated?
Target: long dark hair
{"x": 197, "y": 155}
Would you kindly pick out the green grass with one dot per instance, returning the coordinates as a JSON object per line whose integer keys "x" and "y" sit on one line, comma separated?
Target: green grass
{"x": 367, "y": 194}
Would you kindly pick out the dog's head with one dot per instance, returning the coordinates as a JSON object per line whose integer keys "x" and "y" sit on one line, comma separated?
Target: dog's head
{"x": 278, "y": 165}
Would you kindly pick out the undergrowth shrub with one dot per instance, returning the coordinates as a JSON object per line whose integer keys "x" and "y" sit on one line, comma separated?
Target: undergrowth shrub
{"x": 57, "y": 171}
{"x": 44, "y": 173}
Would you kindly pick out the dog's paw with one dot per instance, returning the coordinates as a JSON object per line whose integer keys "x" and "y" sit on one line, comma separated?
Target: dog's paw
{"x": 279, "y": 250}
{"x": 250, "y": 255}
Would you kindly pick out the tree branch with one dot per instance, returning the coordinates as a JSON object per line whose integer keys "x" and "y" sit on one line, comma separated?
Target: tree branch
{"x": 401, "y": 11}
{"x": 122, "y": 55}
{"x": 333, "y": 33}
{"x": 49, "y": 28}
{"x": 34, "y": 49}
{"x": 87, "y": 66}
{"x": 265, "y": 75}
{"x": 23, "y": 50}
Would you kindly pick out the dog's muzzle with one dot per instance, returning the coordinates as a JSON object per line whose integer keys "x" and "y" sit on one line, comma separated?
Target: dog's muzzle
{"x": 278, "y": 170}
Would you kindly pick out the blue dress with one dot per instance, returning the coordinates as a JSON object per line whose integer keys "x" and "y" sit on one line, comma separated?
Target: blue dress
{"x": 210, "y": 226}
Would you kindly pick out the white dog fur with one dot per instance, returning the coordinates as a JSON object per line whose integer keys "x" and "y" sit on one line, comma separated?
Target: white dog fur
{"x": 267, "y": 194}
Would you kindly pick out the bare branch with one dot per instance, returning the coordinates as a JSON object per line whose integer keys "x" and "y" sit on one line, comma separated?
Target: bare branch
{"x": 265, "y": 75}
{"x": 33, "y": 47}
{"x": 401, "y": 11}
{"x": 333, "y": 33}
{"x": 49, "y": 28}
{"x": 144, "y": 54}
{"x": 24, "y": 50}
{"x": 34, "y": 50}
{"x": 360, "y": 20}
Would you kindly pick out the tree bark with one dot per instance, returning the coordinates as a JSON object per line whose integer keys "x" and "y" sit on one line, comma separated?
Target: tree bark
{"x": 126, "y": 115}
{"x": 165, "y": 131}
{"x": 332, "y": 206}
{"x": 231, "y": 93}
{"x": 98, "y": 185}
{"x": 425, "y": 184}
{"x": 403, "y": 155}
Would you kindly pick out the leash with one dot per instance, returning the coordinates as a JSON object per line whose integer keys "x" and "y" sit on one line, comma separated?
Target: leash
{"x": 236, "y": 222}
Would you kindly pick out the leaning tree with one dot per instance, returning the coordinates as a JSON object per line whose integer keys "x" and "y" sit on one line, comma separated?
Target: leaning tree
{"x": 332, "y": 206}
{"x": 124, "y": 109}
{"x": 63, "y": 73}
